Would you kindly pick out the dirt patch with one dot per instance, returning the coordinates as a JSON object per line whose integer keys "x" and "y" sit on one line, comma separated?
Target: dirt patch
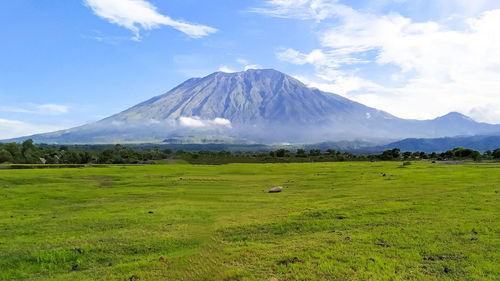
{"x": 451, "y": 162}
{"x": 103, "y": 181}
{"x": 155, "y": 177}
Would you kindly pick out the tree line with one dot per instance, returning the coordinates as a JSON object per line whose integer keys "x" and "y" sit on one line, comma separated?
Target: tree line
{"x": 29, "y": 153}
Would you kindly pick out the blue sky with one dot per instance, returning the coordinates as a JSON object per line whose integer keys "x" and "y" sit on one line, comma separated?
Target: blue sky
{"x": 66, "y": 63}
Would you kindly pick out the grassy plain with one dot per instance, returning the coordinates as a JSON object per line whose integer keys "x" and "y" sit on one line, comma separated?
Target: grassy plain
{"x": 333, "y": 221}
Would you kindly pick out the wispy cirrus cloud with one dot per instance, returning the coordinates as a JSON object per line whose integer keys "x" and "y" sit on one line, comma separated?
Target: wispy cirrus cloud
{"x": 301, "y": 9}
{"x": 52, "y": 109}
{"x": 140, "y": 14}
{"x": 42, "y": 109}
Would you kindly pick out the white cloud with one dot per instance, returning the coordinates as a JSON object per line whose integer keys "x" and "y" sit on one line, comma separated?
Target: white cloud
{"x": 320, "y": 10}
{"x": 15, "y": 109}
{"x": 242, "y": 61}
{"x": 192, "y": 122}
{"x": 14, "y": 128}
{"x": 222, "y": 121}
{"x": 303, "y": 9}
{"x": 197, "y": 122}
{"x": 463, "y": 8}
{"x": 325, "y": 59}
{"x": 226, "y": 69}
{"x": 431, "y": 67}
{"x": 52, "y": 109}
{"x": 137, "y": 14}
{"x": 245, "y": 64}
{"x": 252, "y": 66}
{"x": 43, "y": 109}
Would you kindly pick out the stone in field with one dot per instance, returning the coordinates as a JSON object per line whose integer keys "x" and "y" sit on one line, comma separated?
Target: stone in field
{"x": 382, "y": 243}
{"x": 288, "y": 261}
{"x": 276, "y": 189}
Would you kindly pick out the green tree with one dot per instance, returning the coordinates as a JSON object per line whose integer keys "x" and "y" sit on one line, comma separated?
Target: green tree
{"x": 27, "y": 145}
{"x": 496, "y": 153}
{"x": 314, "y": 152}
{"x": 282, "y": 152}
{"x": 396, "y": 153}
{"x": 5, "y": 156}
{"x": 487, "y": 154}
{"x": 224, "y": 153}
{"x": 71, "y": 157}
{"x": 476, "y": 155}
{"x": 331, "y": 152}
{"x": 407, "y": 155}
{"x": 30, "y": 152}
{"x": 14, "y": 150}
{"x": 86, "y": 157}
{"x": 105, "y": 157}
{"x": 301, "y": 153}
{"x": 390, "y": 154}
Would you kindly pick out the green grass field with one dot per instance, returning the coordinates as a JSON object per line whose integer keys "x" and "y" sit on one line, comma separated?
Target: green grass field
{"x": 333, "y": 221}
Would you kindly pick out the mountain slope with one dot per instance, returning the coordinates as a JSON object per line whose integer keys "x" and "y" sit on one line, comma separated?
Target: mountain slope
{"x": 254, "y": 96}
{"x": 264, "y": 106}
{"x": 480, "y": 143}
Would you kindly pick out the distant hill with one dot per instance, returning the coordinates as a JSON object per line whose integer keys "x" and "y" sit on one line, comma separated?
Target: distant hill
{"x": 480, "y": 143}
{"x": 257, "y": 106}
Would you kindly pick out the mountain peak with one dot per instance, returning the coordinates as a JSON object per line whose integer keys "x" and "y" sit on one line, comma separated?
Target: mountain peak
{"x": 250, "y": 73}
{"x": 454, "y": 116}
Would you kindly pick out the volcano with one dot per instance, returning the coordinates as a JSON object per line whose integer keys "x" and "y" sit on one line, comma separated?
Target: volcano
{"x": 264, "y": 106}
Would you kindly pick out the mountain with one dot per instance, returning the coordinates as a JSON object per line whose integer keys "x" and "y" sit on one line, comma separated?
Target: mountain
{"x": 257, "y": 106}
{"x": 480, "y": 143}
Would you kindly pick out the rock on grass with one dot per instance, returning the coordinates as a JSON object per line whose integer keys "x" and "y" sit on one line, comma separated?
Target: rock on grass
{"x": 276, "y": 189}
{"x": 288, "y": 261}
